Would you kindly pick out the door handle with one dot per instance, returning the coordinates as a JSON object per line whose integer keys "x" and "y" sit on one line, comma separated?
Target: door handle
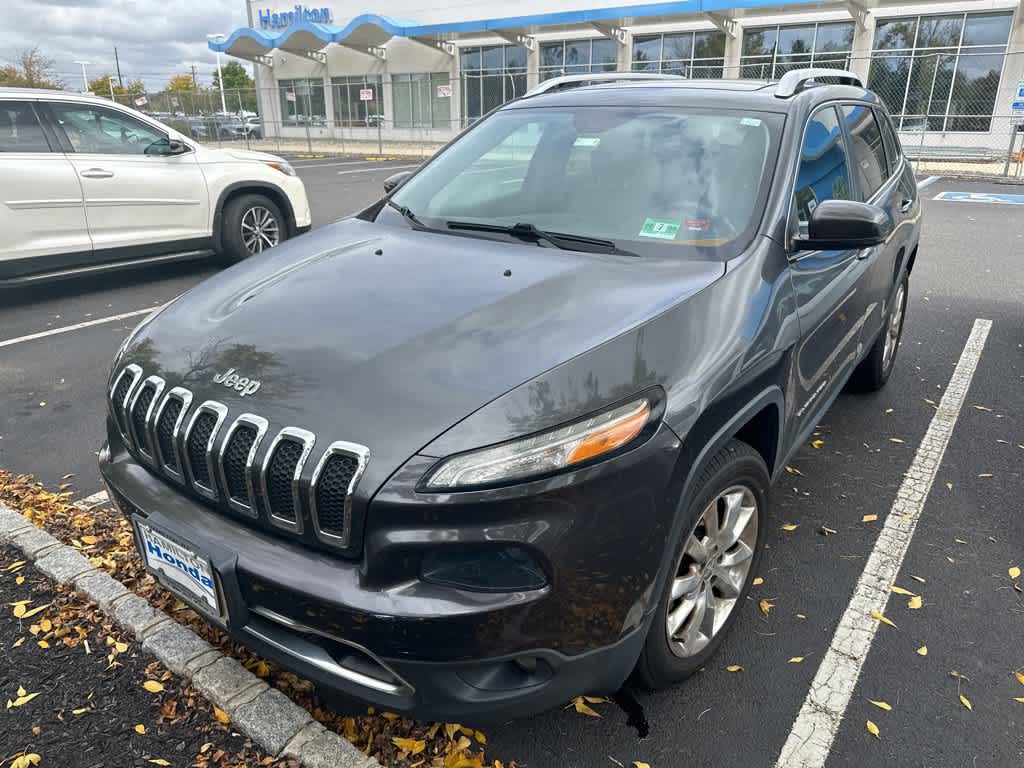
{"x": 906, "y": 204}
{"x": 97, "y": 173}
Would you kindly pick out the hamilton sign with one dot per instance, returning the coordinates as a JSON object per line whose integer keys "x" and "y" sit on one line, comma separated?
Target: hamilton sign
{"x": 279, "y": 19}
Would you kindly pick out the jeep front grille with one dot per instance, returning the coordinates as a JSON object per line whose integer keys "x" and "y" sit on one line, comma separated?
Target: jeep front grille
{"x": 237, "y": 464}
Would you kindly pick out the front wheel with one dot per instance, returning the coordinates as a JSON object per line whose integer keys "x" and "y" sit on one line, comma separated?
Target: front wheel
{"x": 875, "y": 369}
{"x": 712, "y": 568}
{"x": 251, "y": 224}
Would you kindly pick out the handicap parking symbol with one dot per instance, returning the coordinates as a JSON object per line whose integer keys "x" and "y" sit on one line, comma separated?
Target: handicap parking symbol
{"x": 997, "y": 198}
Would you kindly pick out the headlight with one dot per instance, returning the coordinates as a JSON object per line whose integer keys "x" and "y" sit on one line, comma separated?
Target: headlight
{"x": 283, "y": 167}
{"x": 545, "y": 452}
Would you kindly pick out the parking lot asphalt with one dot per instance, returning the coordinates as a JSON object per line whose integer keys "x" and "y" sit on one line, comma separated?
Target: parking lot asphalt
{"x": 968, "y": 535}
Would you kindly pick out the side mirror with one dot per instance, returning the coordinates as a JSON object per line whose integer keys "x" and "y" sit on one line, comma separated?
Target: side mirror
{"x": 838, "y": 225}
{"x": 176, "y": 147}
{"x": 391, "y": 183}
{"x": 166, "y": 148}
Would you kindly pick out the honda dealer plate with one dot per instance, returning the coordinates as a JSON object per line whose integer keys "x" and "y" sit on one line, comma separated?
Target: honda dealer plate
{"x": 183, "y": 570}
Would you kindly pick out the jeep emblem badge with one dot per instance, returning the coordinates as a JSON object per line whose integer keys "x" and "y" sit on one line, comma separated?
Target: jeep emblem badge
{"x": 241, "y": 384}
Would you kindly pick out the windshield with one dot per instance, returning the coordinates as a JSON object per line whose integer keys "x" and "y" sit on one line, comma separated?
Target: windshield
{"x": 645, "y": 178}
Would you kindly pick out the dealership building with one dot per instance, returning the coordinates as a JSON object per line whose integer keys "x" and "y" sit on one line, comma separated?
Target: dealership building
{"x": 948, "y": 71}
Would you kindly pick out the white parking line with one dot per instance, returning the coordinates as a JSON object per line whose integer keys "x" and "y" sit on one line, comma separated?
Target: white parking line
{"x": 816, "y": 726}
{"x": 379, "y": 168}
{"x": 95, "y": 500}
{"x": 378, "y": 163}
{"x": 928, "y": 182}
{"x": 77, "y": 326}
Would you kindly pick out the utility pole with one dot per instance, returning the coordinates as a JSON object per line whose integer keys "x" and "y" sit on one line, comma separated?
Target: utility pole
{"x": 117, "y": 63}
{"x": 195, "y": 82}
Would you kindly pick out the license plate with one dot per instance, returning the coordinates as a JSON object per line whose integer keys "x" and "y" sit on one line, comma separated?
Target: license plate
{"x": 186, "y": 571}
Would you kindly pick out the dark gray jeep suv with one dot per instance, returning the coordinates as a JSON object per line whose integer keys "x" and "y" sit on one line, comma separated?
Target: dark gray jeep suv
{"x": 507, "y": 435}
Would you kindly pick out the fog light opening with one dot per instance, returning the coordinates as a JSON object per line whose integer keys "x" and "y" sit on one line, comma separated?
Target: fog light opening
{"x": 485, "y": 569}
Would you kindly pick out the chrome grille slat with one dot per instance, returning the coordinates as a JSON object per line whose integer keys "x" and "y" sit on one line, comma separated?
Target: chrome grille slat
{"x": 209, "y": 464}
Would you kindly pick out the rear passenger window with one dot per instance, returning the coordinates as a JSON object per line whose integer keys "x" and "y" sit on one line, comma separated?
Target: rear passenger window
{"x": 20, "y": 130}
{"x": 823, "y": 173}
{"x": 866, "y": 148}
{"x": 892, "y": 144}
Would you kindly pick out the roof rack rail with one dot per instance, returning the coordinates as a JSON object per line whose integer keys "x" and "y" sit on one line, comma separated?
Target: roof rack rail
{"x": 795, "y": 80}
{"x": 565, "y": 82}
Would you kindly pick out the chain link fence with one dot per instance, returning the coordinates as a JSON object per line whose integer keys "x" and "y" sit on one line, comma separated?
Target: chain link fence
{"x": 952, "y": 109}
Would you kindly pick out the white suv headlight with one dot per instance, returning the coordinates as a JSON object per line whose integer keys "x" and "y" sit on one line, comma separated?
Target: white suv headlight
{"x": 545, "y": 452}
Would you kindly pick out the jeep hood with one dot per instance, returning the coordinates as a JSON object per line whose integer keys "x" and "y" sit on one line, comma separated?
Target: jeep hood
{"x": 386, "y": 336}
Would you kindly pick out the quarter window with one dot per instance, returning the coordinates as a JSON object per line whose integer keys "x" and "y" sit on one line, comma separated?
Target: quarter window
{"x": 892, "y": 145}
{"x": 866, "y": 148}
{"x": 20, "y": 130}
{"x": 824, "y": 173}
{"x": 102, "y": 131}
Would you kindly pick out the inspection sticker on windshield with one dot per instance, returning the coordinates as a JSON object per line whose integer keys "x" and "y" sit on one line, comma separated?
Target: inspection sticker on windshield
{"x": 753, "y": 122}
{"x": 665, "y": 230}
{"x": 587, "y": 141}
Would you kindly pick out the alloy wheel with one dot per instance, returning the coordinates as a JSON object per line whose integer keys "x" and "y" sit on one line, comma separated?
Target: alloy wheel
{"x": 260, "y": 229}
{"x": 712, "y": 571}
{"x": 893, "y": 330}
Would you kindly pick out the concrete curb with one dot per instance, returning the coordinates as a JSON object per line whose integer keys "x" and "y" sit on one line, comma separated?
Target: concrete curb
{"x": 264, "y": 714}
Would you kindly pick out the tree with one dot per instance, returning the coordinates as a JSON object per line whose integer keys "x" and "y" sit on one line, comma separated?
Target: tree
{"x": 31, "y": 69}
{"x": 181, "y": 83}
{"x": 101, "y": 86}
{"x": 235, "y": 77}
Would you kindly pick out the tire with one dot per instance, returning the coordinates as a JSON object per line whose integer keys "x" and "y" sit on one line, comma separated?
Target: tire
{"x": 250, "y": 210}
{"x": 735, "y": 471}
{"x": 874, "y": 370}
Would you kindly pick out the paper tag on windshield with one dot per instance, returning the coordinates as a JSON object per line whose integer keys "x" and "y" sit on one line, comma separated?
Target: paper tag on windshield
{"x": 586, "y": 141}
{"x": 664, "y": 230}
{"x": 753, "y": 122}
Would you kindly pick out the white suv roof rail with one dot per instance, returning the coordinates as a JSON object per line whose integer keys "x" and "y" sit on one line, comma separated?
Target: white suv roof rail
{"x": 795, "y": 80}
{"x": 565, "y": 82}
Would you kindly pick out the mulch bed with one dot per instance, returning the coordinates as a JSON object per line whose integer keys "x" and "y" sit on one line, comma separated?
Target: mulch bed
{"x": 73, "y": 683}
{"x": 105, "y": 538}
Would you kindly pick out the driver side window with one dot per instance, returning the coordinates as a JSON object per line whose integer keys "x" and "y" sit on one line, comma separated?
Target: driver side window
{"x": 96, "y": 130}
{"x": 824, "y": 173}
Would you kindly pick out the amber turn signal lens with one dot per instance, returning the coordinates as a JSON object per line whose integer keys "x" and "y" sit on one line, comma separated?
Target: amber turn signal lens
{"x": 615, "y": 434}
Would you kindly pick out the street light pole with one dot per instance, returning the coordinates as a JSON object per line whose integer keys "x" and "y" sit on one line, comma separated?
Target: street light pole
{"x": 220, "y": 74}
{"x": 85, "y": 79}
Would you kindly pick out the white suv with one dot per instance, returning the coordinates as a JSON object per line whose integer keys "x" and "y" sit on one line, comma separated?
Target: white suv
{"x": 87, "y": 185}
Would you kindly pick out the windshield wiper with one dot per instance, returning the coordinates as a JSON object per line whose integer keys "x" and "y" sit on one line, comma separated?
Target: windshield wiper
{"x": 407, "y": 214}
{"x": 530, "y": 232}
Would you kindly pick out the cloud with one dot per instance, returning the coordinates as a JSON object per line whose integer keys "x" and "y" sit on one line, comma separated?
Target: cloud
{"x": 155, "y": 38}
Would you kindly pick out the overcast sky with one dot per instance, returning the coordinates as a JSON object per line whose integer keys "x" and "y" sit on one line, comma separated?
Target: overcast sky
{"x": 155, "y": 38}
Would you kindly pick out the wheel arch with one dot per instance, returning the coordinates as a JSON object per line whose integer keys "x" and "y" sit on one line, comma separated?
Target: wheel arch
{"x": 232, "y": 191}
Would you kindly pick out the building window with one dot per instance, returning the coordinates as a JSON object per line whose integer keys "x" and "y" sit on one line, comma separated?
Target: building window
{"x": 568, "y": 57}
{"x": 419, "y": 102}
{"x": 690, "y": 54}
{"x": 940, "y": 73}
{"x": 771, "y": 52}
{"x": 302, "y": 102}
{"x": 490, "y": 76}
{"x": 350, "y": 108}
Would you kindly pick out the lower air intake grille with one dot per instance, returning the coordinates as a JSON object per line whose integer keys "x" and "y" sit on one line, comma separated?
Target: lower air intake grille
{"x": 332, "y": 492}
{"x": 139, "y": 412}
{"x": 196, "y": 447}
{"x": 235, "y": 456}
{"x": 165, "y": 432}
{"x": 280, "y": 472}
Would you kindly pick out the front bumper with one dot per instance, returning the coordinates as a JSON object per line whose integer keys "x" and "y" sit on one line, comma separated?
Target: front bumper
{"x": 425, "y": 649}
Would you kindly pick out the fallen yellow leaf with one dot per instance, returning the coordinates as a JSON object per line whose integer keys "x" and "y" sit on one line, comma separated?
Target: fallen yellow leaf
{"x": 757, "y": 581}
{"x": 79, "y": 711}
{"x": 30, "y": 614}
{"x": 121, "y": 647}
{"x": 158, "y": 761}
{"x": 794, "y": 471}
{"x": 479, "y": 737}
{"x": 583, "y": 708}
{"x": 1019, "y": 698}
{"x": 23, "y": 698}
{"x": 221, "y": 715}
{"x": 790, "y": 527}
{"x": 801, "y": 616}
{"x": 1014, "y": 572}
{"x": 966, "y": 702}
{"x": 922, "y": 651}
{"x": 817, "y": 443}
{"x": 985, "y": 474}
{"x": 901, "y": 591}
{"x": 888, "y": 410}
{"x": 26, "y": 760}
{"x": 765, "y": 606}
{"x": 734, "y": 668}
{"x": 949, "y": 486}
{"x": 412, "y": 746}
{"x": 918, "y": 578}
{"x": 140, "y": 729}
{"x": 796, "y": 659}
{"x": 881, "y": 705}
{"x": 895, "y": 440}
{"x": 1020, "y": 677}
{"x": 879, "y": 617}
{"x": 914, "y": 603}
{"x": 46, "y": 625}
{"x": 152, "y": 686}
{"x": 869, "y": 518}
{"x": 641, "y": 764}
{"x": 872, "y": 729}
{"x": 19, "y": 580}
{"x": 43, "y": 644}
